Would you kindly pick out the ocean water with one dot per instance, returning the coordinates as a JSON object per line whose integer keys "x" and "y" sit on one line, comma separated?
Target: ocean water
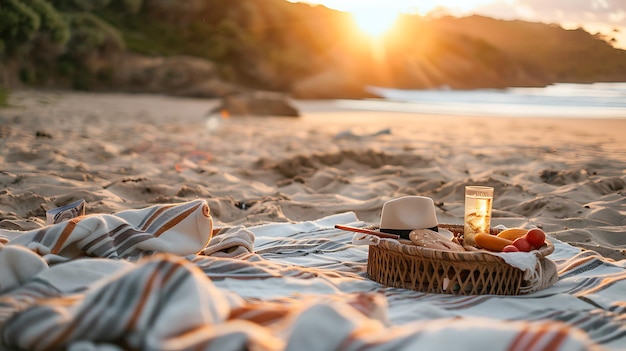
{"x": 596, "y": 100}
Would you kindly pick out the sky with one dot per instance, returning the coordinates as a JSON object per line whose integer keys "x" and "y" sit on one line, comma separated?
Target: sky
{"x": 594, "y": 15}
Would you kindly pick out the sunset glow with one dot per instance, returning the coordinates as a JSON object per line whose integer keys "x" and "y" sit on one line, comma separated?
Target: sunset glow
{"x": 374, "y": 17}
{"x": 374, "y": 21}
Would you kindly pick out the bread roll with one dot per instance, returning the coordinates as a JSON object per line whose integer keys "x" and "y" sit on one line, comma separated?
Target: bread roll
{"x": 433, "y": 240}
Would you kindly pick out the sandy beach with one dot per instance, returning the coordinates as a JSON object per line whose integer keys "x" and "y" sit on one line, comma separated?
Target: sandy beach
{"x": 121, "y": 151}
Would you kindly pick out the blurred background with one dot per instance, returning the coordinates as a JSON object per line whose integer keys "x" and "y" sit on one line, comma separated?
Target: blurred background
{"x": 323, "y": 50}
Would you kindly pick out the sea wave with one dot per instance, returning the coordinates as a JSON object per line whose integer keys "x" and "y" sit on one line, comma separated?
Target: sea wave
{"x": 596, "y": 100}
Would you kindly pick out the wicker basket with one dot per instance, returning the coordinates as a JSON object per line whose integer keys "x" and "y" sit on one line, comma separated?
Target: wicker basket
{"x": 446, "y": 272}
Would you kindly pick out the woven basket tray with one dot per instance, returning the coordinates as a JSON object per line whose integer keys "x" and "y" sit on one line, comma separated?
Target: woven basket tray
{"x": 446, "y": 272}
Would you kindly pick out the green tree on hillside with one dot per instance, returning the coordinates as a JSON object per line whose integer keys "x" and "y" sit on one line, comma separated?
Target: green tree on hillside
{"x": 18, "y": 24}
{"x": 44, "y": 43}
{"x": 80, "y": 5}
{"x": 52, "y": 23}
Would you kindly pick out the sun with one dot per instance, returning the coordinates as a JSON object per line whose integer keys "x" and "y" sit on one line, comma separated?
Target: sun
{"x": 374, "y": 21}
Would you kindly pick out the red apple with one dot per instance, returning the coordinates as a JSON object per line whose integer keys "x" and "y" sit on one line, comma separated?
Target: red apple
{"x": 510, "y": 248}
{"x": 536, "y": 237}
{"x": 522, "y": 244}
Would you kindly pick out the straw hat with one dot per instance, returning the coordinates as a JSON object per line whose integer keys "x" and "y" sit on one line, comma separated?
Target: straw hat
{"x": 402, "y": 215}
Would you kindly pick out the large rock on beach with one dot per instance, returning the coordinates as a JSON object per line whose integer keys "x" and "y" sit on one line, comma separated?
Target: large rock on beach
{"x": 258, "y": 103}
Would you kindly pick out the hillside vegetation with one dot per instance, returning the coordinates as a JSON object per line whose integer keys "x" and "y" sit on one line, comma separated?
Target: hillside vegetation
{"x": 217, "y": 47}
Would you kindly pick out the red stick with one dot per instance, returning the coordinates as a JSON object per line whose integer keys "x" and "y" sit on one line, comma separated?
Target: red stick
{"x": 367, "y": 231}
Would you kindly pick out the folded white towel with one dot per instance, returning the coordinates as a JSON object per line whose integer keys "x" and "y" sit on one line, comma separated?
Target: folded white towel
{"x": 233, "y": 242}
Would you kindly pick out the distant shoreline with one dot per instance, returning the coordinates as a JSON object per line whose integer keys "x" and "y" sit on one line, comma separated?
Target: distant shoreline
{"x": 601, "y": 100}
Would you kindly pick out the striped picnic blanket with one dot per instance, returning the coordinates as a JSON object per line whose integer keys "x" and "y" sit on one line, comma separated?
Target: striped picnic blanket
{"x": 157, "y": 279}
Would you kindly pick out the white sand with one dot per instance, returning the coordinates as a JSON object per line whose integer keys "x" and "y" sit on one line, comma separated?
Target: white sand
{"x": 120, "y": 151}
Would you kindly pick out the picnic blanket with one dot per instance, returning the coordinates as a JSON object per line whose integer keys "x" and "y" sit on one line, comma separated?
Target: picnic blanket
{"x": 159, "y": 279}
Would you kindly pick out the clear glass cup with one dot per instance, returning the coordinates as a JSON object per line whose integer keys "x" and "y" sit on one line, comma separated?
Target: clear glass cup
{"x": 478, "y": 202}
